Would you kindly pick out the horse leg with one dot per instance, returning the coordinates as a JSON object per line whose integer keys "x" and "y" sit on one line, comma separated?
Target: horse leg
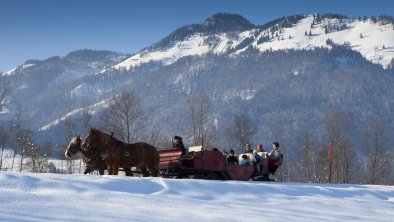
{"x": 144, "y": 170}
{"x": 154, "y": 167}
{"x": 155, "y": 172}
{"x": 101, "y": 171}
{"x": 115, "y": 168}
{"x": 128, "y": 172}
{"x": 109, "y": 168}
{"x": 87, "y": 170}
{"x": 127, "y": 169}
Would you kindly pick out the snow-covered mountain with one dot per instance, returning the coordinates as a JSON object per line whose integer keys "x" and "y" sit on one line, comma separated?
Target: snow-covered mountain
{"x": 288, "y": 73}
{"x": 233, "y": 34}
{"x": 41, "y": 87}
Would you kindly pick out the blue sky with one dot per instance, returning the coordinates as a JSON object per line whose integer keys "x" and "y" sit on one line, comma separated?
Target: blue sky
{"x": 43, "y": 28}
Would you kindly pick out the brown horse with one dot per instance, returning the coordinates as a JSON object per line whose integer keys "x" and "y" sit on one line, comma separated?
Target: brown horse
{"x": 114, "y": 152}
{"x": 91, "y": 163}
{"x": 89, "y": 157}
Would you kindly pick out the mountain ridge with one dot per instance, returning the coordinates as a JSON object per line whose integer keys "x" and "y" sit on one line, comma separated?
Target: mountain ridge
{"x": 234, "y": 75}
{"x": 370, "y": 36}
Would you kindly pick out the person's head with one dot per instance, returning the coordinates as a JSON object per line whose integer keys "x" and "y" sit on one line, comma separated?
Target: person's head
{"x": 260, "y": 148}
{"x": 177, "y": 139}
{"x": 215, "y": 149}
{"x": 275, "y": 145}
{"x": 244, "y": 157}
{"x": 231, "y": 153}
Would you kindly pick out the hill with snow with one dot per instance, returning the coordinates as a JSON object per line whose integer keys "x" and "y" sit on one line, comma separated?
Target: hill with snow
{"x": 285, "y": 74}
{"x": 373, "y": 39}
{"x": 55, "y": 197}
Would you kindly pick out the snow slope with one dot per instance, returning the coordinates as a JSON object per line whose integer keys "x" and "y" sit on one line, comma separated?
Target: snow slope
{"x": 192, "y": 46}
{"x": 373, "y": 40}
{"x": 55, "y": 197}
{"x": 13, "y": 71}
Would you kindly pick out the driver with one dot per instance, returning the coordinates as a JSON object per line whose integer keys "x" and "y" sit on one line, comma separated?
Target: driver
{"x": 179, "y": 144}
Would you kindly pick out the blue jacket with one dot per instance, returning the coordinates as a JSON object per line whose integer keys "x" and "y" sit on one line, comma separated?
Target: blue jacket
{"x": 258, "y": 158}
{"x": 244, "y": 163}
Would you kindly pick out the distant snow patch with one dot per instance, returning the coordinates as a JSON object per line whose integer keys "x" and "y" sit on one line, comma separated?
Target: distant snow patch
{"x": 27, "y": 66}
{"x": 9, "y": 72}
{"x": 193, "y": 45}
{"x": 245, "y": 94}
{"x": 91, "y": 110}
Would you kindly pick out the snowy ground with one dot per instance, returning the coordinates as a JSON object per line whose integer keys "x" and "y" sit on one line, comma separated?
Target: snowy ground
{"x": 56, "y": 197}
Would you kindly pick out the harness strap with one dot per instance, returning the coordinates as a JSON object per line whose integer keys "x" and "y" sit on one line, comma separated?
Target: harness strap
{"x": 113, "y": 144}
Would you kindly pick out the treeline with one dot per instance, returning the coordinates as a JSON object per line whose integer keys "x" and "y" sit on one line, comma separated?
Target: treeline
{"x": 307, "y": 156}
{"x": 25, "y": 154}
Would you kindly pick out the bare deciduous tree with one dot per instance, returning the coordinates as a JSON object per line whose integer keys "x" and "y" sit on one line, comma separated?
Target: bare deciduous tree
{"x": 312, "y": 159}
{"x": 339, "y": 129}
{"x": 37, "y": 157}
{"x": 376, "y": 146}
{"x": 198, "y": 107}
{"x": 158, "y": 139}
{"x": 26, "y": 146}
{"x": 244, "y": 129}
{"x": 86, "y": 121}
{"x": 122, "y": 116}
{"x": 229, "y": 134}
{"x": 17, "y": 133}
{"x": 308, "y": 158}
{"x": 3, "y": 140}
{"x": 240, "y": 131}
{"x": 5, "y": 91}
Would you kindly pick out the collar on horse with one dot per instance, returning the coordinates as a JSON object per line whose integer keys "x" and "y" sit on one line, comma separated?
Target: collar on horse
{"x": 111, "y": 149}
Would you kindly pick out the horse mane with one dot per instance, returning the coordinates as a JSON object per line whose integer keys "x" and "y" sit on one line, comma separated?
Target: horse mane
{"x": 102, "y": 135}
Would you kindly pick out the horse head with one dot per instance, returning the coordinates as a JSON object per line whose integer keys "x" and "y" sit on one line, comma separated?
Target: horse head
{"x": 74, "y": 146}
{"x": 91, "y": 139}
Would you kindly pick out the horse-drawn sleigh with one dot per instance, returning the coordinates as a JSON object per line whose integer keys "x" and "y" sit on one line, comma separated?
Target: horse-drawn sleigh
{"x": 103, "y": 152}
{"x": 205, "y": 164}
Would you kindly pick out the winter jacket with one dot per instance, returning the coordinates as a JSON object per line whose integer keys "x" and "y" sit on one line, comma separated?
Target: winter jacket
{"x": 244, "y": 163}
{"x": 232, "y": 159}
{"x": 258, "y": 158}
{"x": 180, "y": 146}
{"x": 275, "y": 154}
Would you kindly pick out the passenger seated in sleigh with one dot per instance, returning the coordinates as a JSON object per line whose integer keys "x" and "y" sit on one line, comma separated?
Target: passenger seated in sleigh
{"x": 272, "y": 161}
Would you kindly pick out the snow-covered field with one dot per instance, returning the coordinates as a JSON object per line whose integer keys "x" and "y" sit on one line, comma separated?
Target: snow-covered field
{"x": 55, "y": 197}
